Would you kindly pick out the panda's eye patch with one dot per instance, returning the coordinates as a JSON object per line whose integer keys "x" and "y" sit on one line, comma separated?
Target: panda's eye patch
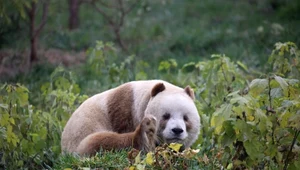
{"x": 185, "y": 118}
{"x": 166, "y": 116}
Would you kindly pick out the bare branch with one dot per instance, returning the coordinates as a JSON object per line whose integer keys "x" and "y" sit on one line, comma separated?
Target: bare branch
{"x": 121, "y": 22}
{"x": 286, "y": 162}
{"x": 107, "y": 5}
{"x": 109, "y": 19}
{"x": 44, "y": 18}
{"x": 31, "y": 14}
{"x": 85, "y": 1}
{"x": 132, "y": 7}
{"x": 115, "y": 22}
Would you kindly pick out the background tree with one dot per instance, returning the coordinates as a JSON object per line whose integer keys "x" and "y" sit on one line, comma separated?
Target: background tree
{"x": 35, "y": 30}
{"x": 11, "y": 13}
{"x": 115, "y": 12}
{"x": 74, "y": 6}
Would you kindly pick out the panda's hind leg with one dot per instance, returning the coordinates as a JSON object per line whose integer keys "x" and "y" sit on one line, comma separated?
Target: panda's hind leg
{"x": 143, "y": 138}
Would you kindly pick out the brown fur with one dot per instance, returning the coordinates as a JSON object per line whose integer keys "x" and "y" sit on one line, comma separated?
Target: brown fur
{"x": 120, "y": 109}
{"x": 190, "y": 92}
{"x": 157, "y": 88}
{"x": 105, "y": 140}
{"x": 188, "y": 125}
{"x": 143, "y": 138}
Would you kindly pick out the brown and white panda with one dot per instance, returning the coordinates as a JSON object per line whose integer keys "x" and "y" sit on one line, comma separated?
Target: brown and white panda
{"x": 136, "y": 114}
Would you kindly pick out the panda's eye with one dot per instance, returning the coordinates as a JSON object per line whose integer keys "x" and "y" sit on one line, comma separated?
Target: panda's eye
{"x": 166, "y": 116}
{"x": 185, "y": 118}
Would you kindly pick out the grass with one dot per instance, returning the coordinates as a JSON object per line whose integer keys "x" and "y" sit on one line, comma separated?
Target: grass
{"x": 103, "y": 160}
{"x": 164, "y": 158}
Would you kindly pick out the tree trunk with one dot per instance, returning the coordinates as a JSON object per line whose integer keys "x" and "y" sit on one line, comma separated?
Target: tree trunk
{"x": 35, "y": 31}
{"x": 74, "y": 14}
{"x": 119, "y": 39}
{"x": 33, "y": 55}
{"x": 33, "y": 51}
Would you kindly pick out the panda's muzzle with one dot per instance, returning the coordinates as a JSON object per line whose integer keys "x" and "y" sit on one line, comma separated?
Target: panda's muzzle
{"x": 177, "y": 131}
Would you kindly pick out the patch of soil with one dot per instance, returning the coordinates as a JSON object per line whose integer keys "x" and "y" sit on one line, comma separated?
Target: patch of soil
{"x": 14, "y": 62}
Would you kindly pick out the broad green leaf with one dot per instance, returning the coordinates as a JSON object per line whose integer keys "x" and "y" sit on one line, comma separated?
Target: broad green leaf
{"x": 39, "y": 145}
{"x": 57, "y": 71}
{"x": 45, "y": 87}
{"x": 240, "y": 100}
{"x": 11, "y": 136}
{"x": 283, "y": 118}
{"x": 254, "y": 149}
{"x": 243, "y": 66}
{"x": 24, "y": 144}
{"x": 220, "y": 116}
{"x": 228, "y": 137}
{"x": 233, "y": 94}
{"x": 257, "y": 86}
{"x": 290, "y": 103}
{"x": 294, "y": 165}
{"x": 12, "y": 121}
{"x": 276, "y": 92}
{"x": 4, "y": 119}
{"x": 22, "y": 95}
{"x": 62, "y": 83}
{"x": 189, "y": 67}
{"x": 243, "y": 130}
{"x": 294, "y": 121}
{"x": 20, "y": 163}
{"x": 264, "y": 123}
{"x": 271, "y": 150}
{"x": 42, "y": 132}
{"x": 216, "y": 56}
{"x": 283, "y": 84}
{"x": 4, "y": 106}
{"x": 173, "y": 62}
{"x": 164, "y": 65}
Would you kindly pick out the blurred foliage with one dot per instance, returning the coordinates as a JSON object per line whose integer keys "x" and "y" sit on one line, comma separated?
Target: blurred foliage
{"x": 156, "y": 30}
{"x": 248, "y": 100}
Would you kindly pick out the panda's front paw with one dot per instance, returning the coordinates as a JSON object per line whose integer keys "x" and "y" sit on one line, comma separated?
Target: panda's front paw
{"x": 149, "y": 128}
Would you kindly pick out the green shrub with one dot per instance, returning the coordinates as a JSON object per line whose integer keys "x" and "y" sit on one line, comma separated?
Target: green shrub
{"x": 30, "y": 135}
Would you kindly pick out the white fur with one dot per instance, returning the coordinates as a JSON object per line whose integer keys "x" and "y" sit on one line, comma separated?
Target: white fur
{"x": 177, "y": 104}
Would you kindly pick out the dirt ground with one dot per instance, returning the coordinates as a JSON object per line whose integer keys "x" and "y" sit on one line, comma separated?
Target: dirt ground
{"x": 14, "y": 62}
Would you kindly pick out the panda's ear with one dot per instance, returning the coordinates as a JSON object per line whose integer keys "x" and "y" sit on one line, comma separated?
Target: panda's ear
{"x": 190, "y": 92}
{"x": 159, "y": 87}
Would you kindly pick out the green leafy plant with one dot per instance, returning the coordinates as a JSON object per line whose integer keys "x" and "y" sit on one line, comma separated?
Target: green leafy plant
{"x": 259, "y": 126}
{"x": 285, "y": 59}
{"x": 30, "y": 135}
{"x": 256, "y": 129}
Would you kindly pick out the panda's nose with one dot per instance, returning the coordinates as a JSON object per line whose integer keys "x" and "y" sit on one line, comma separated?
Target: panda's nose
{"x": 177, "y": 131}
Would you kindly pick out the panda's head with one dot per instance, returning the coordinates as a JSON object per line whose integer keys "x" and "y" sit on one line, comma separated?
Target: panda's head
{"x": 174, "y": 109}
